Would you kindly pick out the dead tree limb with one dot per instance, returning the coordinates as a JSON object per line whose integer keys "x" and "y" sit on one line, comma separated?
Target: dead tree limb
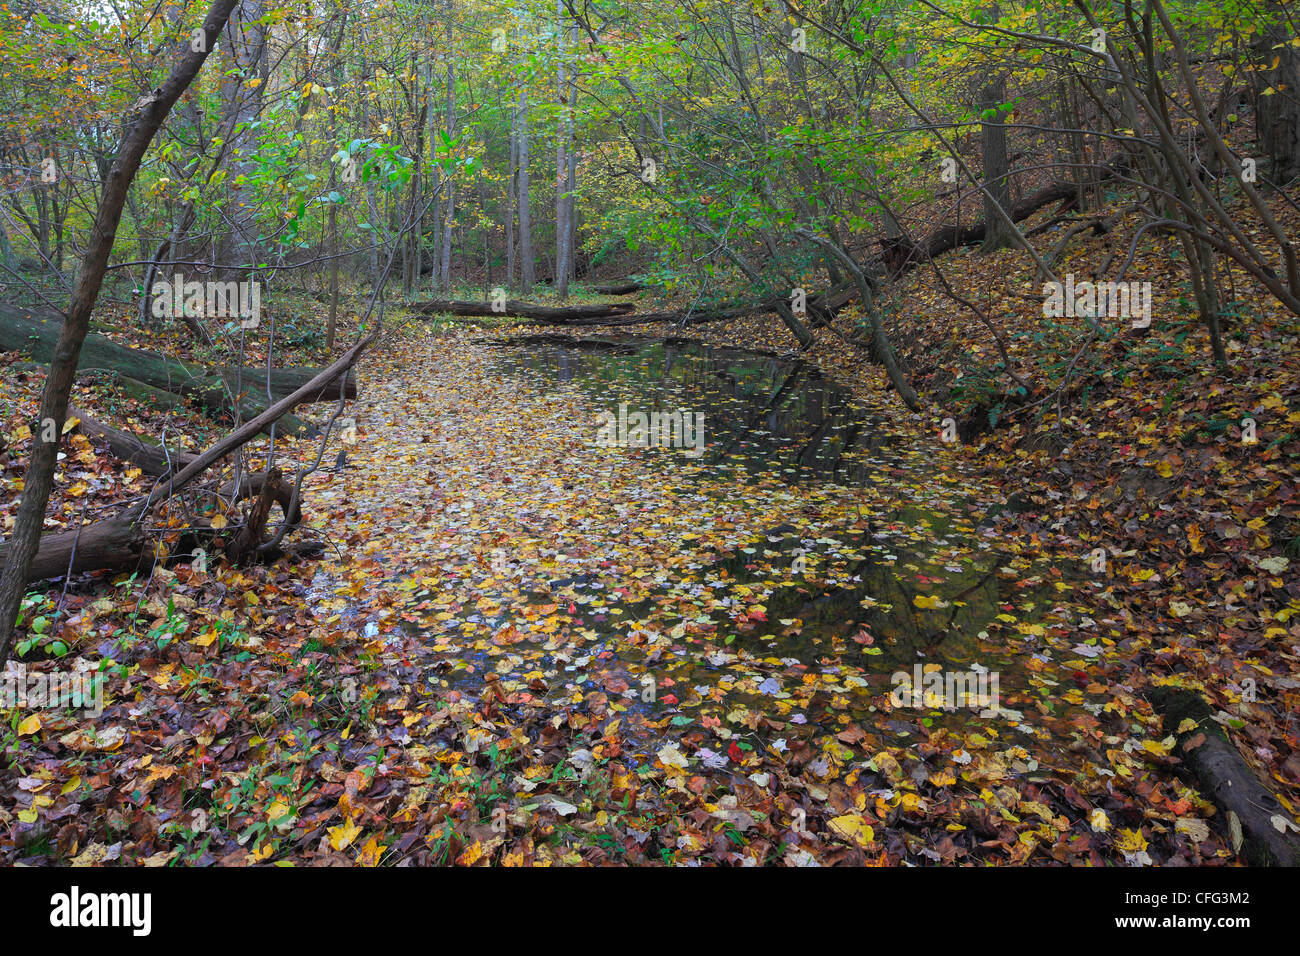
{"x": 618, "y": 288}
{"x": 36, "y": 335}
{"x": 522, "y": 310}
{"x": 119, "y": 542}
{"x": 150, "y": 458}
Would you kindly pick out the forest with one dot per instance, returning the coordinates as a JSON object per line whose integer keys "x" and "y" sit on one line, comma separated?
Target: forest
{"x": 612, "y": 433}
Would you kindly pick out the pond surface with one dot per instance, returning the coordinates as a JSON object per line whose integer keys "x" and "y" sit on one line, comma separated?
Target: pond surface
{"x": 802, "y": 624}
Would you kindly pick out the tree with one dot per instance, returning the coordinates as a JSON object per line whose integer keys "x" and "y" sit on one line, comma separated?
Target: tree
{"x": 999, "y": 233}
{"x": 527, "y": 272}
{"x": 563, "y": 170}
{"x": 144, "y": 123}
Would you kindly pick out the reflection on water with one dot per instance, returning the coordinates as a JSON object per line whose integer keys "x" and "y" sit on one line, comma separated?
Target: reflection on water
{"x": 918, "y": 585}
{"x": 768, "y": 414}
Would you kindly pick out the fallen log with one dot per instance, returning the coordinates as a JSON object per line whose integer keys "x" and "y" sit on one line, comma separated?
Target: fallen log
{"x": 1227, "y": 779}
{"x": 618, "y": 288}
{"x": 36, "y": 334}
{"x": 677, "y": 317}
{"x": 289, "y": 424}
{"x": 823, "y": 306}
{"x": 558, "y": 315}
{"x": 134, "y": 388}
{"x": 114, "y": 544}
{"x": 899, "y": 253}
{"x": 150, "y": 458}
{"x": 119, "y": 542}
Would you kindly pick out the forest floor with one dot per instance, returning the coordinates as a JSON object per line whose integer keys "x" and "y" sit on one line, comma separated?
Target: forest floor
{"x": 462, "y": 678}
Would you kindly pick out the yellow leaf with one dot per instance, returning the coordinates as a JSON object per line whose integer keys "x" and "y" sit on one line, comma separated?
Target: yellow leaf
{"x": 472, "y": 854}
{"x": 370, "y": 853}
{"x": 219, "y": 522}
{"x": 1130, "y": 841}
{"x": 343, "y": 834}
{"x": 853, "y": 828}
{"x": 29, "y": 726}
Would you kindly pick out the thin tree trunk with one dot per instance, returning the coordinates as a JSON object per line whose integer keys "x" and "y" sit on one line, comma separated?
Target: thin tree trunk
{"x": 331, "y": 323}
{"x": 444, "y": 268}
{"x": 571, "y": 178}
{"x": 39, "y": 477}
{"x": 563, "y": 134}
{"x": 373, "y": 214}
{"x": 527, "y": 270}
{"x": 511, "y": 172}
{"x": 243, "y": 105}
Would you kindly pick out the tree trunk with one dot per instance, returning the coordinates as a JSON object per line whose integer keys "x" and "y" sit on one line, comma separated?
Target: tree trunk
{"x": 511, "y": 172}
{"x": 999, "y": 233}
{"x": 39, "y": 478}
{"x": 527, "y": 270}
{"x": 563, "y": 135}
{"x": 1278, "y": 114}
{"x": 242, "y": 104}
{"x": 571, "y": 171}
{"x": 444, "y": 266}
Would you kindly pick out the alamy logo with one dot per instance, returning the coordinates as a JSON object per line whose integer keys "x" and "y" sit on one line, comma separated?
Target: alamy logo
{"x": 948, "y": 690}
{"x": 212, "y": 300}
{"x": 1123, "y": 300}
{"x": 658, "y": 429}
{"x": 74, "y": 909}
{"x": 79, "y": 689}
